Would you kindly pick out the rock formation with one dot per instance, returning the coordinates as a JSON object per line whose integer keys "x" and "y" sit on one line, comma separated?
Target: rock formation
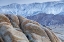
{"x": 19, "y": 29}
{"x": 10, "y": 34}
{"x": 3, "y": 18}
{"x": 14, "y": 21}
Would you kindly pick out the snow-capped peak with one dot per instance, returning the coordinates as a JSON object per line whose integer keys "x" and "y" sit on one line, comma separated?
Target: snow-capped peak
{"x": 33, "y": 8}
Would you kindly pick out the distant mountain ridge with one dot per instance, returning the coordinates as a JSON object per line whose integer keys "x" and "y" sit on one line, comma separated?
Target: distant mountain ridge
{"x": 33, "y": 8}
{"x": 48, "y": 19}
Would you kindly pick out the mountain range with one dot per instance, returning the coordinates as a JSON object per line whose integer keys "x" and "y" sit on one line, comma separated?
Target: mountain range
{"x": 33, "y": 8}
{"x": 48, "y": 19}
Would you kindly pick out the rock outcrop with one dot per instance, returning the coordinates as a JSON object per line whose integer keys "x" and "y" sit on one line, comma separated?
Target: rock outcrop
{"x": 19, "y": 29}
{"x": 36, "y": 32}
{"x": 10, "y": 34}
{"x": 3, "y": 18}
{"x": 14, "y": 21}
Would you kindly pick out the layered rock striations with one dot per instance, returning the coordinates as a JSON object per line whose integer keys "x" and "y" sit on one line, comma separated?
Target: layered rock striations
{"x": 15, "y": 28}
{"x": 10, "y": 34}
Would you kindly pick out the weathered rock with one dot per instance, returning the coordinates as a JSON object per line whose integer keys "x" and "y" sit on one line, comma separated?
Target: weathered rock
{"x": 14, "y": 20}
{"x": 52, "y": 36}
{"x": 21, "y": 18}
{"x": 3, "y": 18}
{"x": 38, "y": 38}
{"x": 9, "y": 34}
{"x": 32, "y": 27}
{"x": 35, "y": 33}
{"x": 35, "y": 30}
{"x": 25, "y": 21}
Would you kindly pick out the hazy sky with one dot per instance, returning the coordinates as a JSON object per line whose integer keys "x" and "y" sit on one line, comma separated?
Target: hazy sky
{"x": 5, "y": 2}
{"x": 62, "y": 0}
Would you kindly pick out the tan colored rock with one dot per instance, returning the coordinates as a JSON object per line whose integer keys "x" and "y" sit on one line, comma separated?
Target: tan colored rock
{"x": 14, "y": 20}
{"x": 25, "y": 21}
{"x": 21, "y": 18}
{"x": 3, "y": 18}
{"x": 38, "y": 38}
{"x": 52, "y": 36}
{"x": 29, "y": 21}
{"x": 5, "y": 24}
{"x": 9, "y": 34}
{"x": 35, "y": 31}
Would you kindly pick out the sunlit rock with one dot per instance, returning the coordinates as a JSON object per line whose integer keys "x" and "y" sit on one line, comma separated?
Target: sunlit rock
{"x": 35, "y": 33}
{"x": 3, "y": 18}
{"x": 20, "y": 29}
{"x": 52, "y": 36}
{"x": 14, "y": 20}
{"x": 9, "y": 34}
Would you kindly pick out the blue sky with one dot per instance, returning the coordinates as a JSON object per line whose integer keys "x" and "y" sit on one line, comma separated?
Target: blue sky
{"x": 5, "y": 2}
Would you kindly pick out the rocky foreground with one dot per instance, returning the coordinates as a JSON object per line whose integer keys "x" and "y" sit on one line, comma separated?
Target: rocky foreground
{"x": 19, "y": 29}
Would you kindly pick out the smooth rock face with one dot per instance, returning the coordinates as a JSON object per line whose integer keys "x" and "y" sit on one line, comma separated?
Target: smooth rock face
{"x": 19, "y": 29}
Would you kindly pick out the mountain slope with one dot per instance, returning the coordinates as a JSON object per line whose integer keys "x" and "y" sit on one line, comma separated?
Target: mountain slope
{"x": 48, "y": 19}
{"x": 33, "y": 8}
